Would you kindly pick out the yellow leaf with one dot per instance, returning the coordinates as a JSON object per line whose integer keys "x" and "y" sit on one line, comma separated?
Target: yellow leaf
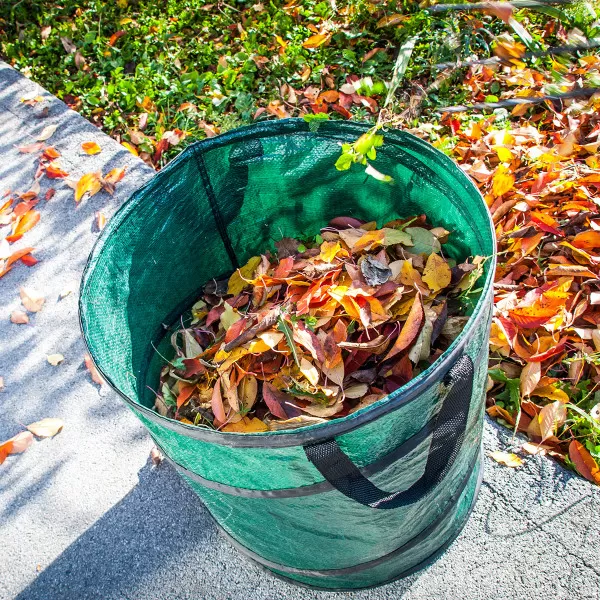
{"x": 503, "y": 181}
{"x": 46, "y": 427}
{"x": 90, "y": 183}
{"x": 504, "y": 154}
{"x": 329, "y": 250}
{"x": 258, "y": 347}
{"x": 506, "y": 458}
{"x": 437, "y": 273}
{"x": 314, "y": 41}
{"x": 552, "y": 393}
{"x": 246, "y": 425}
{"x": 237, "y": 282}
{"x": 90, "y": 147}
{"x": 131, "y": 148}
{"x": 55, "y": 359}
{"x": 390, "y": 20}
{"x": 309, "y": 371}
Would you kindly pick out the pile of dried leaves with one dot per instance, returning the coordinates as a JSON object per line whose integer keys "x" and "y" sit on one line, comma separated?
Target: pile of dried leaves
{"x": 541, "y": 179}
{"x": 323, "y": 328}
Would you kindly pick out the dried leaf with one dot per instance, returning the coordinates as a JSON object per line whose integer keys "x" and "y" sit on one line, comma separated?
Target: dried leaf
{"x": 507, "y": 459}
{"x": 19, "y": 317}
{"x": 91, "y": 367}
{"x": 584, "y": 462}
{"x": 90, "y": 147}
{"x": 410, "y": 330}
{"x": 55, "y": 359}
{"x": 32, "y": 300}
{"x": 46, "y": 133}
{"x": 437, "y": 274}
{"x": 246, "y": 425}
{"x": 48, "y": 427}
{"x": 90, "y": 183}
{"x": 314, "y": 41}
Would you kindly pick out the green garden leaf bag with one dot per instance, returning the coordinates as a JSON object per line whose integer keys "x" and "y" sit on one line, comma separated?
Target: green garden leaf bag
{"x": 352, "y": 503}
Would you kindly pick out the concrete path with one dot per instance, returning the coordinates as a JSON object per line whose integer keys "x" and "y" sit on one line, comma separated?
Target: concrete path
{"x": 86, "y": 516}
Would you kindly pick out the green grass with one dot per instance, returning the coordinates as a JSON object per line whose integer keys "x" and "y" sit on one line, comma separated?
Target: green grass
{"x": 188, "y": 64}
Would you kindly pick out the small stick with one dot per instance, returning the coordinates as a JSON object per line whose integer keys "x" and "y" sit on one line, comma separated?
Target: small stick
{"x": 476, "y": 6}
{"x": 581, "y": 93}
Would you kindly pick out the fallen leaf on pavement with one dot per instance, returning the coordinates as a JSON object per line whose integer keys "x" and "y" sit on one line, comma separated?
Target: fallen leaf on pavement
{"x": 584, "y": 462}
{"x": 506, "y": 458}
{"x": 91, "y": 367}
{"x": 48, "y": 427}
{"x": 90, "y": 183}
{"x": 47, "y": 133}
{"x": 32, "y": 300}
{"x": 90, "y": 147}
{"x": 55, "y": 359}
{"x": 19, "y": 317}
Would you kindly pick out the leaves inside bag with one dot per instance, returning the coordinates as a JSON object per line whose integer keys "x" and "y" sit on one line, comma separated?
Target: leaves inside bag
{"x": 318, "y": 329}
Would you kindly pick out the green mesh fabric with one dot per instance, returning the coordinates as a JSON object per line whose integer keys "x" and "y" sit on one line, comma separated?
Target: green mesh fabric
{"x": 219, "y": 203}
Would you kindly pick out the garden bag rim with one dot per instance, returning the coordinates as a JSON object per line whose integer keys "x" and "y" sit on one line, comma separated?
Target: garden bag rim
{"x": 335, "y": 427}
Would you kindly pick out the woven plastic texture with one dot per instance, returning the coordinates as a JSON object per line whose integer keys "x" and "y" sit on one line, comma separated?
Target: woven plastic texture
{"x": 222, "y": 201}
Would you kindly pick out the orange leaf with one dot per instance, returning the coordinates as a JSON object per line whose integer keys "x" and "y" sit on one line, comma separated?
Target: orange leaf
{"x": 5, "y": 450}
{"x": 55, "y": 172}
{"x": 185, "y": 391}
{"x": 314, "y": 41}
{"x": 29, "y": 260}
{"x": 410, "y": 330}
{"x": 115, "y": 36}
{"x": 115, "y": 175}
{"x": 532, "y": 317}
{"x": 216, "y": 403}
{"x": 17, "y": 254}
{"x": 28, "y": 221}
{"x": 587, "y": 240}
{"x": 584, "y": 462}
{"x": 51, "y": 153}
{"x": 90, "y": 183}
{"x": 90, "y": 147}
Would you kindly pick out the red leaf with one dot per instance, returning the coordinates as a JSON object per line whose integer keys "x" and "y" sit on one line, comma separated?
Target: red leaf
{"x": 54, "y": 172}
{"x": 185, "y": 391}
{"x": 29, "y": 260}
{"x": 274, "y": 399}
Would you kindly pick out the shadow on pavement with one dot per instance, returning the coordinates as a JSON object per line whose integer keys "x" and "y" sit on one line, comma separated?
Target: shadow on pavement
{"x": 160, "y": 520}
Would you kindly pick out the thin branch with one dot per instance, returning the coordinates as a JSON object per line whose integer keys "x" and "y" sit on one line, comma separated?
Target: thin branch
{"x": 581, "y": 93}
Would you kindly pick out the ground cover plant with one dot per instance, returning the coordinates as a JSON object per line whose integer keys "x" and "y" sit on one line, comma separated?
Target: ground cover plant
{"x": 507, "y": 93}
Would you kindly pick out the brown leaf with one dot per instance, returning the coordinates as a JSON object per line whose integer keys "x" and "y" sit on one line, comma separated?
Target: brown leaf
{"x": 116, "y": 36}
{"x": 45, "y": 32}
{"x": 68, "y": 45}
{"x": 274, "y": 399}
{"x": 530, "y": 377}
{"x": 584, "y": 462}
{"x": 550, "y": 418}
{"x": 48, "y": 427}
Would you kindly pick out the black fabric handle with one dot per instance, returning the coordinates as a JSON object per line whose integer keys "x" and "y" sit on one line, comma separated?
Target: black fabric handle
{"x": 446, "y": 441}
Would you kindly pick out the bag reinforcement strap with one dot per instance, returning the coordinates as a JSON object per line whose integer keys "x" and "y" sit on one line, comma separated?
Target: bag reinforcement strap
{"x": 446, "y": 441}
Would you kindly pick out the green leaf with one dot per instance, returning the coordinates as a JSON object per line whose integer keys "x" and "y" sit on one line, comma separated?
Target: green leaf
{"x": 289, "y": 337}
{"x": 344, "y": 162}
{"x": 168, "y": 396}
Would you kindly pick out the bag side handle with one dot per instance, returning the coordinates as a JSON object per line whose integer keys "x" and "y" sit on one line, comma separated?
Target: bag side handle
{"x": 447, "y": 438}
